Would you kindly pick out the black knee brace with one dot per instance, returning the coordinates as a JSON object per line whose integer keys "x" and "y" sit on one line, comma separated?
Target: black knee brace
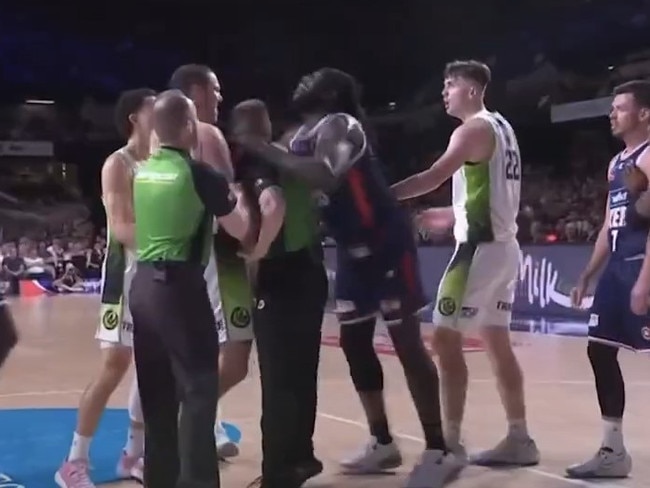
{"x": 357, "y": 344}
{"x": 610, "y": 386}
{"x": 8, "y": 334}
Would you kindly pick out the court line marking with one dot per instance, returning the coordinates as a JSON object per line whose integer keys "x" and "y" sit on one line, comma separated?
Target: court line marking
{"x": 536, "y": 471}
{"x": 40, "y": 393}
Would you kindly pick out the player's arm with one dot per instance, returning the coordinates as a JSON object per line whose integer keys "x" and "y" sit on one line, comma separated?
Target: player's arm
{"x": 215, "y": 150}
{"x": 601, "y": 250}
{"x": 338, "y": 144}
{"x": 224, "y": 201}
{"x": 117, "y": 194}
{"x": 641, "y": 289}
{"x": 472, "y": 141}
{"x": 272, "y": 209}
{"x": 642, "y": 204}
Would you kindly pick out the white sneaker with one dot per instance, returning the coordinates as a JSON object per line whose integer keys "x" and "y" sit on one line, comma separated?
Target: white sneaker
{"x": 373, "y": 458}
{"x": 509, "y": 452}
{"x": 459, "y": 452}
{"x": 434, "y": 470}
{"x": 226, "y": 448}
{"x": 605, "y": 464}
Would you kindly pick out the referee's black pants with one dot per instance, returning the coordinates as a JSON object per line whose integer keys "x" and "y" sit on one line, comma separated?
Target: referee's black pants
{"x": 176, "y": 349}
{"x": 291, "y": 294}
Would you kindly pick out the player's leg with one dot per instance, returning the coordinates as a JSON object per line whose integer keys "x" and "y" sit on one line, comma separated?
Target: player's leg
{"x": 357, "y": 306}
{"x": 447, "y": 343}
{"x": 116, "y": 360}
{"x": 517, "y": 449}
{"x": 234, "y": 359}
{"x": 131, "y": 463}
{"x": 232, "y": 299}
{"x": 403, "y": 298}
{"x": 8, "y": 333}
{"x": 606, "y": 332}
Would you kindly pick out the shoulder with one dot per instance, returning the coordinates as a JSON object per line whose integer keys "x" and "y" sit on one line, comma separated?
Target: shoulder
{"x": 477, "y": 126}
{"x": 643, "y": 161}
{"x": 210, "y": 133}
{"x": 114, "y": 160}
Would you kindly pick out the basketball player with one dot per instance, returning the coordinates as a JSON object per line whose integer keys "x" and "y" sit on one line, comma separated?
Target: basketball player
{"x": 231, "y": 302}
{"x": 619, "y": 315}
{"x": 115, "y": 333}
{"x": 478, "y": 287}
{"x": 377, "y": 268}
{"x": 8, "y": 334}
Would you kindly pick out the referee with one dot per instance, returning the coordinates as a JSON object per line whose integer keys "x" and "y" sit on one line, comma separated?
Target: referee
{"x": 175, "y": 338}
{"x": 291, "y": 292}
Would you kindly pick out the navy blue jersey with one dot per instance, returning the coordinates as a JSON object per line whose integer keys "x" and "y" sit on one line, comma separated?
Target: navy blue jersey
{"x": 625, "y": 242}
{"x": 362, "y": 210}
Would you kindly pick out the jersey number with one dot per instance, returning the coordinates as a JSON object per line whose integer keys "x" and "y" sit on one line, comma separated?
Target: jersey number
{"x": 614, "y": 234}
{"x": 513, "y": 166}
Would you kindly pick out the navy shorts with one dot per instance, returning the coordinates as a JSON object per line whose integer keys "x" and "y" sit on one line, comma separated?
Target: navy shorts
{"x": 612, "y": 321}
{"x": 386, "y": 282}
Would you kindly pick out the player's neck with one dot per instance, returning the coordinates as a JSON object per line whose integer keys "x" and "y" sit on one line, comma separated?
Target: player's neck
{"x": 471, "y": 112}
{"x": 139, "y": 147}
{"x": 205, "y": 116}
{"x": 635, "y": 139}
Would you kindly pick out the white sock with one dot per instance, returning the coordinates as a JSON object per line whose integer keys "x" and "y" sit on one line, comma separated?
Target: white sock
{"x": 135, "y": 407}
{"x": 134, "y": 442}
{"x": 517, "y": 429}
{"x": 80, "y": 448}
{"x": 452, "y": 433}
{"x": 613, "y": 435}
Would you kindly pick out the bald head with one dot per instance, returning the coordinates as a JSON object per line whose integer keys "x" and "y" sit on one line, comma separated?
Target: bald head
{"x": 173, "y": 115}
{"x": 251, "y": 117}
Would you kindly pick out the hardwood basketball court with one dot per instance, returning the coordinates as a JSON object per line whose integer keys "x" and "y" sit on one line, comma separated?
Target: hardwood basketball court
{"x": 57, "y": 356}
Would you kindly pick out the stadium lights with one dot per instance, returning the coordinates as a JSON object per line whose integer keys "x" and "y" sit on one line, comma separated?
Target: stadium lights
{"x": 38, "y": 101}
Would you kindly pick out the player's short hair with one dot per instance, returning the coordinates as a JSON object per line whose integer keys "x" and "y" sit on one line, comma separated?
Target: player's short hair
{"x": 129, "y": 103}
{"x": 469, "y": 69}
{"x": 329, "y": 90}
{"x": 188, "y": 75}
{"x": 639, "y": 89}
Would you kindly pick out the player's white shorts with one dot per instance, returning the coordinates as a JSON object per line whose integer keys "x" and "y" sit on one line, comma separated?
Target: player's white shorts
{"x": 116, "y": 322}
{"x": 231, "y": 299}
{"x": 478, "y": 286}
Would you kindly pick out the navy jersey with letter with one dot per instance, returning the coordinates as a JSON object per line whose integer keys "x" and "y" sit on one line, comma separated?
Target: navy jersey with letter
{"x": 377, "y": 267}
{"x": 625, "y": 241}
{"x": 612, "y": 320}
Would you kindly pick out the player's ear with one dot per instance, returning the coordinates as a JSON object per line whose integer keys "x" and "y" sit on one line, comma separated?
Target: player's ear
{"x": 133, "y": 119}
{"x": 644, "y": 114}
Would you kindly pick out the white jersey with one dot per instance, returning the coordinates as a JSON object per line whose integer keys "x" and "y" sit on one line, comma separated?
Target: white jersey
{"x": 118, "y": 270}
{"x": 485, "y": 194}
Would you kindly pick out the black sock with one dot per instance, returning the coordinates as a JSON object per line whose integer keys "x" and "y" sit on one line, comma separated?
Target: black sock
{"x": 380, "y": 431}
{"x": 433, "y": 436}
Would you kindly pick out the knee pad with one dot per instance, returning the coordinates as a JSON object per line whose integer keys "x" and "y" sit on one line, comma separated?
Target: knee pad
{"x": 357, "y": 344}
{"x": 8, "y": 334}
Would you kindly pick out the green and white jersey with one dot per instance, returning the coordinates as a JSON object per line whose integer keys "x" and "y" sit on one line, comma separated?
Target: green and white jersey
{"x": 485, "y": 194}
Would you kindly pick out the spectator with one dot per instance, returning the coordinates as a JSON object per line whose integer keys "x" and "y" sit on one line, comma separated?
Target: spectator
{"x": 13, "y": 268}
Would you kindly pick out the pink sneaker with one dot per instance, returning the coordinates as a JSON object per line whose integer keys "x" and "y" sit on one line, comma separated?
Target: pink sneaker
{"x": 74, "y": 474}
{"x": 130, "y": 467}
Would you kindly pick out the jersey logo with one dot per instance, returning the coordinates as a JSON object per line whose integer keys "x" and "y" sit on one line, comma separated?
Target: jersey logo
{"x": 110, "y": 319}
{"x": 447, "y": 306}
{"x": 240, "y": 317}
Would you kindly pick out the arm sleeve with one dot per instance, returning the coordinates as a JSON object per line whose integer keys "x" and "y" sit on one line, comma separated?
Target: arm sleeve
{"x": 213, "y": 189}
